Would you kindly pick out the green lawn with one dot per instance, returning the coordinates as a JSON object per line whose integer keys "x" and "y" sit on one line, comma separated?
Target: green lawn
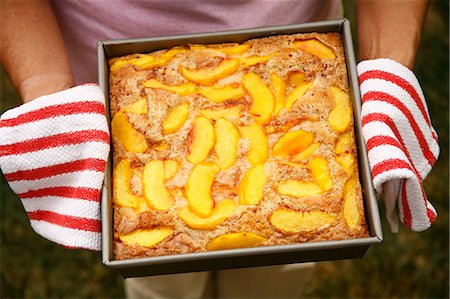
{"x": 406, "y": 265}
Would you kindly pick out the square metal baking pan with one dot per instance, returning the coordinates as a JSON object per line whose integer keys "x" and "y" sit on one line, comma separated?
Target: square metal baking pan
{"x": 246, "y": 257}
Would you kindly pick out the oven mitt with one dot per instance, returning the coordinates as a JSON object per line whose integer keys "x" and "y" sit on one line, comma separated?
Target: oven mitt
{"x": 53, "y": 153}
{"x": 401, "y": 142}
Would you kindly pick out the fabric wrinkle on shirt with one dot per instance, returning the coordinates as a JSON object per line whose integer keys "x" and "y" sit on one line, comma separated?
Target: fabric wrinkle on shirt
{"x": 83, "y": 23}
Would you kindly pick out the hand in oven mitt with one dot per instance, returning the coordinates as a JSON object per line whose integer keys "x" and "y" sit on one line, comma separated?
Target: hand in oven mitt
{"x": 401, "y": 142}
{"x": 53, "y": 152}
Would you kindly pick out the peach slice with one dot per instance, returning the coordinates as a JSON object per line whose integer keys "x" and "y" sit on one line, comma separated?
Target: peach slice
{"x": 161, "y": 147}
{"x": 127, "y": 135}
{"x": 251, "y": 187}
{"x": 296, "y": 93}
{"x": 227, "y": 138}
{"x": 234, "y": 50}
{"x": 320, "y": 173}
{"x": 279, "y": 88}
{"x": 263, "y": 101}
{"x": 154, "y": 187}
{"x": 164, "y": 59}
{"x": 346, "y": 161}
{"x": 292, "y": 143}
{"x": 201, "y": 139}
{"x": 315, "y": 47}
{"x": 259, "y": 148}
{"x": 221, "y": 212}
{"x": 143, "y": 59}
{"x": 228, "y": 50}
{"x": 143, "y": 206}
{"x": 298, "y": 188}
{"x": 341, "y": 116}
{"x": 198, "y": 188}
{"x": 350, "y": 208}
{"x": 207, "y": 76}
{"x": 118, "y": 64}
{"x": 171, "y": 168}
{"x": 252, "y": 60}
{"x": 182, "y": 89}
{"x": 122, "y": 194}
{"x": 236, "y": 240}
{"x": 290, "y": 221}
{"x": 304, "y": 154}
{"x": 296, "y": 79}
{"x": 147, "y": 61}
{"x": 231, "y": 113}
{"x": 176, "y": 118}
{"x": 146, "y": 237}
{"x": 343, "y": 143}
{"x": 138, "y": 107}
{"x": 169, "y": 55}
{"x": 281, "y": 128}
{"x": 220, "y": 94}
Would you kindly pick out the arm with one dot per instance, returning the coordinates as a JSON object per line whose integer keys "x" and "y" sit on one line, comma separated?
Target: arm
{"x": 32, "y": 50}
{"x": 390, "y": 29}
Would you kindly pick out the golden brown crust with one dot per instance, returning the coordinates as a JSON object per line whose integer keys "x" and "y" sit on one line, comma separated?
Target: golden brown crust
{"x": 308, "y": 114}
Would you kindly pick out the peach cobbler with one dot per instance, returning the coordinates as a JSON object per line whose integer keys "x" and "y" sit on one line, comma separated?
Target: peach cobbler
{"x": 233, "y": 145}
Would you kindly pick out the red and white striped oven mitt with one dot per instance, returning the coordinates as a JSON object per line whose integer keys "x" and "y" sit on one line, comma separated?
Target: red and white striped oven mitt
{"x": 401, "y": 142}
{"x": 53, "y": 152}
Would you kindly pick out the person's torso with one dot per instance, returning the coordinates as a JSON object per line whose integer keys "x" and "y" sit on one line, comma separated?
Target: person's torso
{"x": 83, "y": 23}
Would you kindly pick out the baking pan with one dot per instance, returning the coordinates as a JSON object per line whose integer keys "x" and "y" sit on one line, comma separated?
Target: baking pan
{"x": 245, "y": 257}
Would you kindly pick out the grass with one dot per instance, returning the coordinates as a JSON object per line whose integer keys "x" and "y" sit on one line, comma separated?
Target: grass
{"x": 406, "y": 265}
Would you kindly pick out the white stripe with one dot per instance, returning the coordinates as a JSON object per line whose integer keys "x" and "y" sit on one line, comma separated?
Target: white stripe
{"x": 76, "y": 94}
{"x": 377, "y": 128}
{"x": 54, "y": 156}
{"x": 393, "y": 67}
{"x": 67, "y": 236}
{"x": 378, "y": 85}
{"x": 388, "y": 175}
{"x": 385, "y": 152}
{"x": 52, "y": 126}
{"x": 404, "y": 127}
{"x": 86, "y": 178}
{"x": 64, "y": 206}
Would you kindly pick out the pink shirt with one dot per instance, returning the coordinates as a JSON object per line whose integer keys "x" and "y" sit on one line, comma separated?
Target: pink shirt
{"x": 83, "y": 23}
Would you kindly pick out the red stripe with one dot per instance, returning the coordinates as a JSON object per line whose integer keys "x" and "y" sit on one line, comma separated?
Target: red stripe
{"x": 57, "y": 140}
{"x": 44, "y": 172}
{"x": 86, "y": 224}
{"x": 382, "y": 140}
{"x": 431, "y": 215}
{"x": 54, "y": 111}
{"x": 406, "y": 209}
{"x": 389, "y": 122}
{"x": 381, "y": 96}
{"x": 377, "y": 74}
{"x": 381, "y": 117}
{"x": 383, "y": 166}
{"x": 405, "y": 85}
{"x": 64, "y": 191}
{"x": 389, "y": 164}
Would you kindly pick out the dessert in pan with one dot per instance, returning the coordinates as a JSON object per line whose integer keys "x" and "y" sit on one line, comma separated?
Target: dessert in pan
{"x": 232, "y": 145}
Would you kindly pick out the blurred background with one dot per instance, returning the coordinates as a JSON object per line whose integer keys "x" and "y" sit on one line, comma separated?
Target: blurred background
{"x": 406, "y": 265}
